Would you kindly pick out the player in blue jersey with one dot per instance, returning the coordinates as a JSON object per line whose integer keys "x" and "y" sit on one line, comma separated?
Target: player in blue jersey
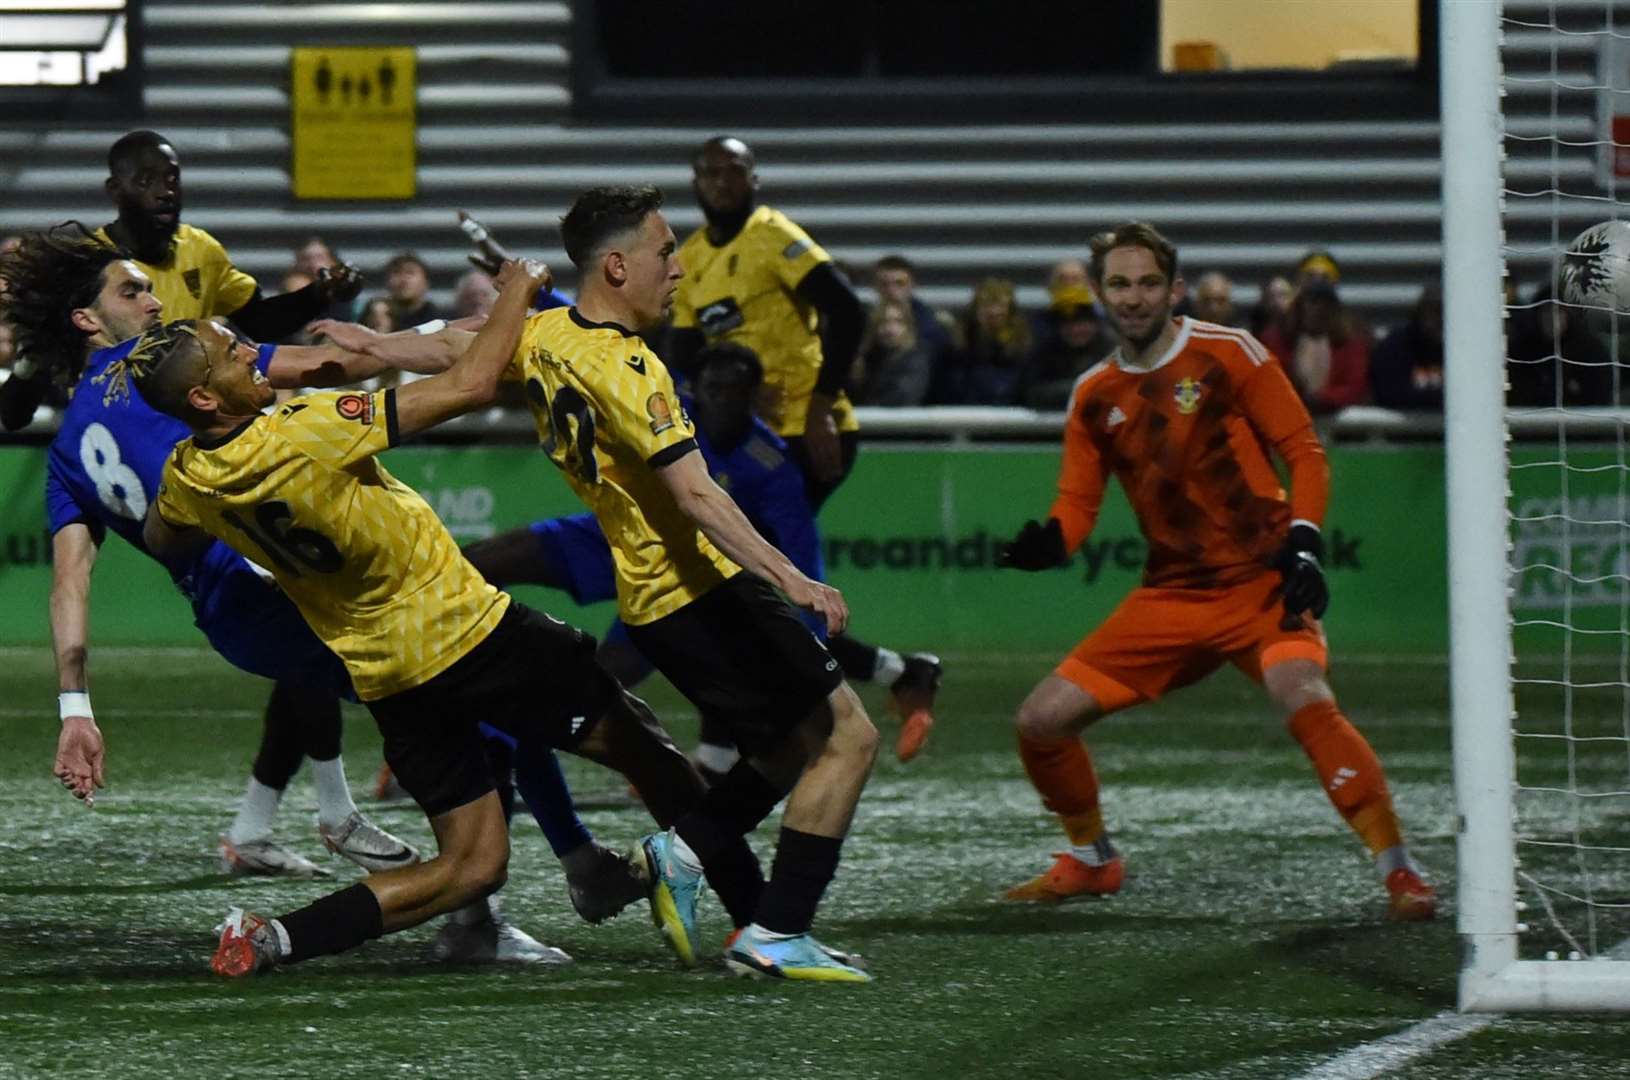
{"x": 66, "y": 289}
{"x": 751, "y": 462}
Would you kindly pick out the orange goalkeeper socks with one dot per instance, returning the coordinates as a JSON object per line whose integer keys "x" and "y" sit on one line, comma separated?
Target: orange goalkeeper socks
{"x": 1350, "y": 773}
{"x": 1062, "y": 772}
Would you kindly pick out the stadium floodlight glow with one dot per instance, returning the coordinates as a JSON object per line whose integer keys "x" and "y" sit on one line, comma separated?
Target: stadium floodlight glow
{"x": 1539, "y": 594}
{"x": 62, "y": 42}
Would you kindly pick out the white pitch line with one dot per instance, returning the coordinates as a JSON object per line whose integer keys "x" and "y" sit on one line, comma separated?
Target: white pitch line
{"x": 1384, "y": 1055}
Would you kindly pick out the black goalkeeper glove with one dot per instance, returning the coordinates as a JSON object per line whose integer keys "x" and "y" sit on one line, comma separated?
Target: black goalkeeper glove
{"x": 1037, "y": 547}
{"x": 1298, "y": 560}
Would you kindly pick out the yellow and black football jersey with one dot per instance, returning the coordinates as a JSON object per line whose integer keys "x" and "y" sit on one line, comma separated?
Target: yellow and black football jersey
{"x": 608, "y": 417}
{"x": 199, "y": 280}
{"x": 743, "y": 292}
{"x": 363, "y": 557}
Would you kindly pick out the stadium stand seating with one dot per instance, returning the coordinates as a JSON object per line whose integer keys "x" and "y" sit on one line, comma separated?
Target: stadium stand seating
{"x": 496, "y": 136}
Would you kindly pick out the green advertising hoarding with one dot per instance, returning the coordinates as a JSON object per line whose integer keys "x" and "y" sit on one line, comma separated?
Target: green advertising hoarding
{"x": 910, "y": 539}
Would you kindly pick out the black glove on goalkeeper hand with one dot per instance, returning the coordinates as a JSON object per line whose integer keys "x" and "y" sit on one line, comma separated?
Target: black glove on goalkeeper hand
{"x": 1037, "y": 547}
{"x": 1298, "y": 561}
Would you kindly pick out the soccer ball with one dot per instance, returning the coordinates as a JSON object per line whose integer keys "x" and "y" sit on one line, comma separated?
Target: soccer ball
{"x": 1596, "y": 267}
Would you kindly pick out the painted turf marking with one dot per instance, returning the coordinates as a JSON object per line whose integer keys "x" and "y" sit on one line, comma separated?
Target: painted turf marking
{"x": 1381, "y": 1056}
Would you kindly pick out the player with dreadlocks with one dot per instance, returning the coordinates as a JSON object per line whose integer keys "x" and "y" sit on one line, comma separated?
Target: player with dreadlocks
{"x": 103, "y": 470}
{"x": 65, "y": 290}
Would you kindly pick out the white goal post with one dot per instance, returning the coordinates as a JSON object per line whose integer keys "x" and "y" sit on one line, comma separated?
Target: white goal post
{"x": 1499, "y": 899}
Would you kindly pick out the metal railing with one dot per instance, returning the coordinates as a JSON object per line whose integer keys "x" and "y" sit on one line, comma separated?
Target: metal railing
{"x": 965, "y": 424}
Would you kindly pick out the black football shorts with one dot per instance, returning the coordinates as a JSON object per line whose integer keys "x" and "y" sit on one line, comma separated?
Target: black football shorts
{"x": 742, "y": 656}
{"x": 532, "y": 677}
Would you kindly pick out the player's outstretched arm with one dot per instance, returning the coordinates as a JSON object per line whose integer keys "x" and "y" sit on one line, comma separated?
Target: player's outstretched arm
{"x": 79, "y": 746}
{"x": 721, "y": 521}
{"x": 473, "y": 379}
{"x": 424, "y": 350}
{"x": 266, "y": 318}
{"x": 843, "y": 321}
{"x": 296, "y": 367}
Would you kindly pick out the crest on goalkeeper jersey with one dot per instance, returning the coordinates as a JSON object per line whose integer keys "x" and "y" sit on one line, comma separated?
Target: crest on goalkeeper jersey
{"x": 1187, "y": 395}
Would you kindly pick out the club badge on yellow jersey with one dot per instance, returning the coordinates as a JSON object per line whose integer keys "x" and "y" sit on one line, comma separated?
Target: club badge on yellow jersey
{"x": 198, "y": 281}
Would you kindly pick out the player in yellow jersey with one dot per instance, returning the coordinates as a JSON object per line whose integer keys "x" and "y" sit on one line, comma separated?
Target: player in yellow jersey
{"x": 64, "y": 289}
{"x": 696, "y": 587}
{"x": 192, "y": 275}
{"x": 432, "y": 649}
{"x": 754, "y": 277}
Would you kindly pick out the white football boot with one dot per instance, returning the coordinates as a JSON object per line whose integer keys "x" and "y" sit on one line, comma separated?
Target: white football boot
{"x": 265, "y": 856}
{"x": 367, "y": 845}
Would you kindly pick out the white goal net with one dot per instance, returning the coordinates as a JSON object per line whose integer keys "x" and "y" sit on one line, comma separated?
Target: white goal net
{"x": 1534, "y": 155}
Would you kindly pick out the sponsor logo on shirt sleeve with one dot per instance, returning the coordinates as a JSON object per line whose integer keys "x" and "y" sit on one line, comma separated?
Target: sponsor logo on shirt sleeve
{"x": 358, "y": 407}
{"x": 661, "y": 414}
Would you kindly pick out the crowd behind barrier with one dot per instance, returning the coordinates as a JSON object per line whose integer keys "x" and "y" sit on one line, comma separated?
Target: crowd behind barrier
{"x": 997, "y": 370}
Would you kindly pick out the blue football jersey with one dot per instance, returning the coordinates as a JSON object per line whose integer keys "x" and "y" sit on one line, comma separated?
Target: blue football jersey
{"x": 769, "y": 487}
{"x": 550, "y": 298}
{"x": 104, "y": 465}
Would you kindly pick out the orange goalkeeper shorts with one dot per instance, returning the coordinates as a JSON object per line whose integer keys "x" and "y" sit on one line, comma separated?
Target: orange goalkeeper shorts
{"x": 1161, "y": 639}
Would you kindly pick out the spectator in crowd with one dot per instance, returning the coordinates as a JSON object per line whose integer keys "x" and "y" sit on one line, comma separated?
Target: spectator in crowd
{"x": 376, "y": 315}
{"x": 895, "y": 279}
{"x": 407, "y": 287}
{"x": 1073, "y": 339}
{"x": 895, "y": 366}
{"x": 1318, "y": 264}
{"x": 1406, "y": 369}
{"x": 1213, "y": 299}
{"x": 1326, "y": 357}
{"x": 1272, "y": 308}
{"x": 1067, "y": 274}
{"x": 996, "y": 341}
{"x": 475, "y": 294}
{"x": 1554, "y": 358}
{"x": 313, "y": 254}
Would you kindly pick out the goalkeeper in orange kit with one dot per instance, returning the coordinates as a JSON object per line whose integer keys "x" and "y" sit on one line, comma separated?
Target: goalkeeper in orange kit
{"x": 1185, "y": 414}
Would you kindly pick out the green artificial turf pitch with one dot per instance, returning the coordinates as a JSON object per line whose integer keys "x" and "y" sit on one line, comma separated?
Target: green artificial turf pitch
{"x": 1250, "y": 940}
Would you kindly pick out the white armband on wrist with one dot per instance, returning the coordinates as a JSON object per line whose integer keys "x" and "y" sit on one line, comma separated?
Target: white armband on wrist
{"x": 430, "y": 327}
{"x": 74, "y": 703}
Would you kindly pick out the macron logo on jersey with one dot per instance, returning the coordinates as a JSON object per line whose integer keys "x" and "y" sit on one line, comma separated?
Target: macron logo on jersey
{"x": 1116, "y": 418}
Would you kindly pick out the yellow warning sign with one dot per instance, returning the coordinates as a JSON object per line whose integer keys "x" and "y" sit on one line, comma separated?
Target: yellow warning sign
{"x": 353, "y": 122}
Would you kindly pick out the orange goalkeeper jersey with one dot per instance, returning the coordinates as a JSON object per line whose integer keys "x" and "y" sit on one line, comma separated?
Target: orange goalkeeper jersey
{"x": 1190, "y": 439}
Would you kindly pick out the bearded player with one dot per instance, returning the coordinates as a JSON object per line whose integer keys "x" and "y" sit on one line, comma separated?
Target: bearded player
{"x": 1184, "y": 414}
{"x": 753, "y": 277}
